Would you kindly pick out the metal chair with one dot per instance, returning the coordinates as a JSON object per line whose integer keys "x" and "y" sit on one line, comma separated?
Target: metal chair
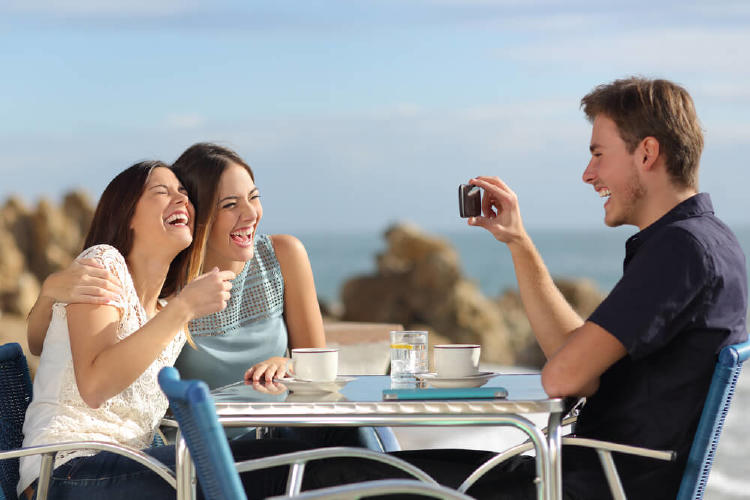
{"x": 720, "y": 394}
{"x": 365, "y": 489}
{"x": 15, "y": 396}
{"x": 195, "y": 412}
{"x": 702, "y": 451}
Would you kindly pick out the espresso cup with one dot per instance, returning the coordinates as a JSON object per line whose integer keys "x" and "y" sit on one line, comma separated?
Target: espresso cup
{"x": 318, "y": 364}
{"x": 456, "y": 360}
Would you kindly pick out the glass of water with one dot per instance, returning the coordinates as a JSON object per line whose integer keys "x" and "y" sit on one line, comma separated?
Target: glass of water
{"x": 408, "y": 353}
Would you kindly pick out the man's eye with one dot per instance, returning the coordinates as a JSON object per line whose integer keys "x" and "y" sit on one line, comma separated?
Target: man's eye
{"x": 255, "y": 197}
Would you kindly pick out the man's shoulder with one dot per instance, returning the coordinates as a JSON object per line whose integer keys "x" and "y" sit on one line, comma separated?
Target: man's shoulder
{"x": 705, "y": 233}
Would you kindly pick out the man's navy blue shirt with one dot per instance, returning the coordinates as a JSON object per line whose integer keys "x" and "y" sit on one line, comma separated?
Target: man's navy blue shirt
{"x": 682, "y": 297}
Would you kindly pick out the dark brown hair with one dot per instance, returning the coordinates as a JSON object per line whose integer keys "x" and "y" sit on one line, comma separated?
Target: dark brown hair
{"x": 641, "y": 108}
{"x": 114, "y": 212}
{"x": 199, "y": 169}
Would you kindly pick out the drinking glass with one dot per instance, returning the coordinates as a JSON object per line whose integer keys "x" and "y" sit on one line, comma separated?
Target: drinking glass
{"x": 408, "y": 353}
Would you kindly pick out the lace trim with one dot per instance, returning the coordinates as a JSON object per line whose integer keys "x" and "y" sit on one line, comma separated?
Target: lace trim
{"x": 257, "y": 294}
{"x": 129, "y": 417}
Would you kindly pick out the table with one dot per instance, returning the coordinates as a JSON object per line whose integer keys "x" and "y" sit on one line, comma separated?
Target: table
{"x": 360, "y": 403}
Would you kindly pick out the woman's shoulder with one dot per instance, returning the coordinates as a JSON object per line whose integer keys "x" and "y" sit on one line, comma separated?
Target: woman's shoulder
{"x": 290, "y": 253}
{"x": 287, "y": 245}
{"x": 108, "y": 256}
{"x": 102, "y": 253}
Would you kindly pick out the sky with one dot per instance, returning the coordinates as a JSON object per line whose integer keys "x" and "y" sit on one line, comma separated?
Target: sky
{"x": 356, "y": 114}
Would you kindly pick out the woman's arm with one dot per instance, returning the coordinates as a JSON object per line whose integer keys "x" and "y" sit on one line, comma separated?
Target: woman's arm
{"x": 83, "y": 281}
{"x": 301, "y": 309}
{"x": 302, "y": 316}
{"x": 104, "y": 365}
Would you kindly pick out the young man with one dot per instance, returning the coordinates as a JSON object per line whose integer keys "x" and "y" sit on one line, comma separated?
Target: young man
{"x": 645, "y": 357}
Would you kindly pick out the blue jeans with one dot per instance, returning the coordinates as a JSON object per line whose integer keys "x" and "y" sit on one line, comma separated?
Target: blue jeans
{"x": 108, "y": 476}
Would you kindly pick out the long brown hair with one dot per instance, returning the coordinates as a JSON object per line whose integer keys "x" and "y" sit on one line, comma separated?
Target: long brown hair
{"x": 199, "y": 169}
{"x": 114, "y": 212}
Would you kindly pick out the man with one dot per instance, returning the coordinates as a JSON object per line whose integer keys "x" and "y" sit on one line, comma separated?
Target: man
{"x": 645, "y": 357}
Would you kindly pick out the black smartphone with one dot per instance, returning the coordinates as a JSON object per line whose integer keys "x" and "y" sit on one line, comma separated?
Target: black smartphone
{"x": 469, "y": 200}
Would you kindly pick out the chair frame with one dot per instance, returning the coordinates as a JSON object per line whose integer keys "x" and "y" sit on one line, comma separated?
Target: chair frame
{"x": 202, "y": 430}
{"x": 13, "y": 351}
{"x": 702, "y": 451}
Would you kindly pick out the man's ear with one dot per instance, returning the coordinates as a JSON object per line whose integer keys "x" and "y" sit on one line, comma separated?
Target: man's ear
{"x": 648, "y": 152}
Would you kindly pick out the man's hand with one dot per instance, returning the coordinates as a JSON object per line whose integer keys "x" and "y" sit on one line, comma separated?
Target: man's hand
{"x": 501, "y": 215}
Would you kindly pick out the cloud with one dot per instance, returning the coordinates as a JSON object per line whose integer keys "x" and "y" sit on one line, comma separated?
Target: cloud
{"x": 183, "y": 121}
{"x": 662, "y": 50}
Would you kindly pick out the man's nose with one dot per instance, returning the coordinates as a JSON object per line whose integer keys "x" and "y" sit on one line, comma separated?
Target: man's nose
{"x": 589, "y": 174}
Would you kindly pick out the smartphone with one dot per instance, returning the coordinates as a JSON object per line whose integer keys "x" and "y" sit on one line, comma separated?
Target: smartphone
{"x": 469, "y": 200}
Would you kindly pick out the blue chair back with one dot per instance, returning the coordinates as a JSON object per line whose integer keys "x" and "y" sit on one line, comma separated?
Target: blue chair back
{"x": 715, "y": 410}
{"x": 15, "y": 396}
{"x": 195, "y": 413}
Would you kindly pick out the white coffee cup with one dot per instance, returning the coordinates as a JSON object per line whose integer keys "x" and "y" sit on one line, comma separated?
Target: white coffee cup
{"x": 456, "y": 360}
{"x": 319, "y": 364}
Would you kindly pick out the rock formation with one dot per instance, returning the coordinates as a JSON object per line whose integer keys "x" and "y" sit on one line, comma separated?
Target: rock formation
{"x": 37, "y": 242}
{"x": 419, "y": 284}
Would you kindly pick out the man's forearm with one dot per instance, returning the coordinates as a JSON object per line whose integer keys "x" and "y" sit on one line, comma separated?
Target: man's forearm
{"x": 550, "y": 315}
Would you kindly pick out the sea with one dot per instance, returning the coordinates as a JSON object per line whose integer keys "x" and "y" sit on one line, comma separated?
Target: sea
{"x": 594, "y": 254}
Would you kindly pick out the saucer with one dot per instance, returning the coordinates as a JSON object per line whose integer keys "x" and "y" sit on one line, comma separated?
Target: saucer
{"x": 301, "y": 386}
{"x": 476, "y": 380}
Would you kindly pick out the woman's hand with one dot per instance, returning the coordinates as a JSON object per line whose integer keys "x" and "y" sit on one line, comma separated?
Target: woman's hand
{"x": 272, "y": 388}
{"x": 84, "y": 281}
{"x": 206, "y": 294}
{"x": 275, "y": 367}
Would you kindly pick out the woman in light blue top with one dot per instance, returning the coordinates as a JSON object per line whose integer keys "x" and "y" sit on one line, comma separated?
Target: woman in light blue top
{"x": 274, "y": 305}
{"x": 250, "y": 328}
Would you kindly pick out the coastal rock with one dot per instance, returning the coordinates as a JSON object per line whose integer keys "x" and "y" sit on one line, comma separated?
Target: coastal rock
{"x": 55, "y": 240}
{"x": 21, "y": 300}
{"x": 35, "y": 243}
{"x": 12, "y": 263}
{"x": 15, "y": 217}
{"x": 79, "y": 208}
{"x": 419, "y": 284}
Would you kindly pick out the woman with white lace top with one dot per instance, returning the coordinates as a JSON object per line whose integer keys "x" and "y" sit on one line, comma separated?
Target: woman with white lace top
{"x": 97, "y": 374}
{"x": 273, "y": 305}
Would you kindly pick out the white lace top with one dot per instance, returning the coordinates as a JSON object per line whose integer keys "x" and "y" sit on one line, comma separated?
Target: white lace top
{"x": 57, "y": 413}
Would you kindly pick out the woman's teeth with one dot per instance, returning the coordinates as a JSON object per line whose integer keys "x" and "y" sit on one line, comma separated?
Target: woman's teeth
{"x": 177, "y": 220}
{"x": 242, "y": 236}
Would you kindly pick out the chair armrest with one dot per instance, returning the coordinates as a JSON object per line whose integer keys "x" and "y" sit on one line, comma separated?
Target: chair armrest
{"x": 620, "y": 448}
{"x": 379, "y": 487}
{"x": 49, "y": 451}
{"x": 604, "y": 449}
{"x": 298, "y": 460}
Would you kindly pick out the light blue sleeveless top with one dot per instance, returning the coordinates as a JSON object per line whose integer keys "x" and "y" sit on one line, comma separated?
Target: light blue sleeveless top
{"x": 249, "y": 330}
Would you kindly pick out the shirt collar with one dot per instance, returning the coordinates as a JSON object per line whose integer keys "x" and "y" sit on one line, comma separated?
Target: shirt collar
{"x": 698, "y": 204}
